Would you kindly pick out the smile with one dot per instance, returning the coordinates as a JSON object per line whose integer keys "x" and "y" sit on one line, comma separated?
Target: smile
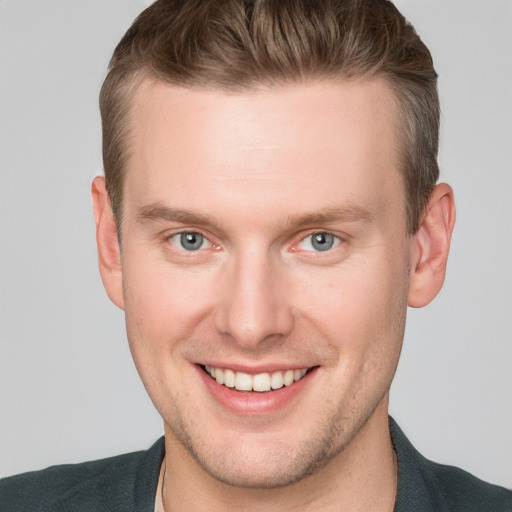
{"x": 260, "y": 382}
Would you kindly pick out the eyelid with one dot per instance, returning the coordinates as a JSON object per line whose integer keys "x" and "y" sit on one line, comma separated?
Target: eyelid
{"x": 337, "y": 242}
{"x": 176, "y": 240}
{"x": 168, "y": 237}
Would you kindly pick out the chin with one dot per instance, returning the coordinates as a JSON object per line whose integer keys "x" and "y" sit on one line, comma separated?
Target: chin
{"x": 264, "y": 463}
{"x": 281, "y": 471}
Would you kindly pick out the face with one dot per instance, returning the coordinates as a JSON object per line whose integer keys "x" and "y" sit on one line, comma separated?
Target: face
{"x": 264, "y": 243}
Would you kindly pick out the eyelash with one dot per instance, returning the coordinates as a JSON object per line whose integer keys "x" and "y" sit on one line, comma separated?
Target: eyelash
{"x": 176, "y": 240}
{"x": 319, "y": 235}
{"x": 179, "y": 238}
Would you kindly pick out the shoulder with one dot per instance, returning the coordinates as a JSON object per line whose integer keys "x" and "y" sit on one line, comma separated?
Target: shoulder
{"x": 424, "y": 485}
{"x": 117, "y": 483}
{"x": 465, "y": 492}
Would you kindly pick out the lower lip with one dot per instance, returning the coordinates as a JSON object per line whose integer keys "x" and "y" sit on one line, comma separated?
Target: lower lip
{"x": 254, "y": 403}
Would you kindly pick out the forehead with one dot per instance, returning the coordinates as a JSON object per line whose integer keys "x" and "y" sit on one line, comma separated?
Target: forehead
{"x": 321, "y": 141}
{"x": 266, "y": 113}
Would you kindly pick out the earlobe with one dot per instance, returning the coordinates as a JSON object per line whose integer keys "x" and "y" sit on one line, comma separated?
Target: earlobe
{"x": 431, "y": 246}
{"x": 109, "y": 253}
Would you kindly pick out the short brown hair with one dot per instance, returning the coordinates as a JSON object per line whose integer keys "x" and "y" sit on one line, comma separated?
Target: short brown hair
{"x": 236, "y": 45}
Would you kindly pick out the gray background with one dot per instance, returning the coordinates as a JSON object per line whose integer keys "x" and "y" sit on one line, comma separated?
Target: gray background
{"x": 69, "y": 391}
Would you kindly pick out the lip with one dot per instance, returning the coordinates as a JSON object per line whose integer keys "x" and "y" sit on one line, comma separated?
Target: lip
{"x": 255, "y": 403}
{"x": 254, "y": 370}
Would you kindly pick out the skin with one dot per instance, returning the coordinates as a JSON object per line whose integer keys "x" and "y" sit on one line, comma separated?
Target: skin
{"x": 257, "y": 174}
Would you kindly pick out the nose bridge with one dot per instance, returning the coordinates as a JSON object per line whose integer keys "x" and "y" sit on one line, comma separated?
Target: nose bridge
{"x": 253, "y": 305}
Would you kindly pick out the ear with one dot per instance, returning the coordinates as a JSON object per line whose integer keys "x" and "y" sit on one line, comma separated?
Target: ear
{"x": 109, "y": 251}
{"x": 431, "y": 245}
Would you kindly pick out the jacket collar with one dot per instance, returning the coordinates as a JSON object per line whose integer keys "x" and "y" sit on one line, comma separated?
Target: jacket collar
{"x": 418, "y": 486}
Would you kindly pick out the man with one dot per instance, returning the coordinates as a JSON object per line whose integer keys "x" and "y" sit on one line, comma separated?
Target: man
{"x": 269, "y": 210}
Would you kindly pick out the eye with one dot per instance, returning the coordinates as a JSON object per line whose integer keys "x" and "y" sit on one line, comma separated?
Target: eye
{"x": 319, "y": 242}
{"x": 189, "y": 241}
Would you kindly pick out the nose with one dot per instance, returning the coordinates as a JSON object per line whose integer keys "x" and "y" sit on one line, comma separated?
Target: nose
{"x": 253, "y": 308}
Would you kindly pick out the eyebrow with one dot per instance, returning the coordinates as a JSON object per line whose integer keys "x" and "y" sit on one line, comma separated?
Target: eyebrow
{"x": 158, "y": 212}
{"x": 349, "y": 213}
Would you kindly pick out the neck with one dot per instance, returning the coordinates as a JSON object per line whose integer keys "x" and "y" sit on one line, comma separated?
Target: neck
{"x": 362, "y": 477}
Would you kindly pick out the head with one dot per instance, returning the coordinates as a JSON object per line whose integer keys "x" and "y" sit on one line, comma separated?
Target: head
{"x": 271, "y": 168}
{"x": 239, "y": 46}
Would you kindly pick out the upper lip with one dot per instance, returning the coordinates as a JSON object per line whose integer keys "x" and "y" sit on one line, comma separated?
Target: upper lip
{"x": 256, "y": 369}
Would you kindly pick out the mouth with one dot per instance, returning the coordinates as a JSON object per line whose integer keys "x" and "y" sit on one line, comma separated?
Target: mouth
{"x": 259, "y": 382}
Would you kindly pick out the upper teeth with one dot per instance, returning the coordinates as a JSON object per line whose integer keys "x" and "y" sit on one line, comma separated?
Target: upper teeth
{"x": 259, "y": 382}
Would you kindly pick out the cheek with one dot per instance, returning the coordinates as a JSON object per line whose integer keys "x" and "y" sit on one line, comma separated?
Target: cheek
{"x": 359, "y": 307}
{"x": 157, "y": 292}
{"x": 163, "y": 310}
{"x": 163, "y": 307}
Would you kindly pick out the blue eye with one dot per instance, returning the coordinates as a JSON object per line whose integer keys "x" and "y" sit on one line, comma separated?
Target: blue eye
{"x": 189, "y": 241}
{"x": 322, "y": 241}
{"x": 319, "y": 242}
